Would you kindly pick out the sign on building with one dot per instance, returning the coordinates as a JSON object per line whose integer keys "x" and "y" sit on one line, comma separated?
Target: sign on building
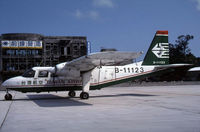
{"x": 21, "y": 44}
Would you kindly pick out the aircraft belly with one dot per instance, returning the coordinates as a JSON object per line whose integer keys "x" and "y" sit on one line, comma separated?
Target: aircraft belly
{"x": 46, "y": 88}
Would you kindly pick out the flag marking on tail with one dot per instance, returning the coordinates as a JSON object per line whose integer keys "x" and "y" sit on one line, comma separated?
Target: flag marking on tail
{"x": 161, "y": 50}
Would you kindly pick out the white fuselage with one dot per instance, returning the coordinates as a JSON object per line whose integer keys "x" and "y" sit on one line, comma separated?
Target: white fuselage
{"x": 99, "y": 75}
{"x": 107, "y": 74}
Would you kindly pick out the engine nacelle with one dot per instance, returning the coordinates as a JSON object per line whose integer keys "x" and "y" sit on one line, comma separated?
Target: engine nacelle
{"x": 62, "y": 70}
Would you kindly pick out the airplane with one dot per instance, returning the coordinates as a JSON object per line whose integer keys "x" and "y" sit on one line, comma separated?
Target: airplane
{"x": 95, "y": 71}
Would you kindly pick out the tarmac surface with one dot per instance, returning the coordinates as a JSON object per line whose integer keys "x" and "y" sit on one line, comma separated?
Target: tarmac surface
{"x": 114, "y": 109}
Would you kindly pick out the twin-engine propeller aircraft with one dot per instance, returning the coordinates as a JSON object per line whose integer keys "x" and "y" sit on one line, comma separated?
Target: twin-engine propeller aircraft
{"x": 94, "y": 71}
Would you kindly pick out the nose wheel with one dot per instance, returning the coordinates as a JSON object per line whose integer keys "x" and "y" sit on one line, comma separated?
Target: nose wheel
{"x": 8, "y": 96}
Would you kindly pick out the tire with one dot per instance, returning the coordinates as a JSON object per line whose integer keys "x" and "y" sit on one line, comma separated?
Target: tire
{"x": 84, "y": 95}
{"x": 8, "y": 96}
{"x": 72, "y": 93}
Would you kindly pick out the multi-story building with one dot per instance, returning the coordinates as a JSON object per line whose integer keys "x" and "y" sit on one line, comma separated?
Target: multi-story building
{"x": 21, "y": 51}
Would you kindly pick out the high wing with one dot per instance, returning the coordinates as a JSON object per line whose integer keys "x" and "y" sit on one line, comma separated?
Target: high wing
{"x": 88, "y": 62}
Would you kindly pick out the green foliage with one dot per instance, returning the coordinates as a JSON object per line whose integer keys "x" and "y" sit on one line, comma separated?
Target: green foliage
{"x": 180, "y": 51}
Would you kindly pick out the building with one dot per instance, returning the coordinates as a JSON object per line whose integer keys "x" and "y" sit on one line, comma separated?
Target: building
{"x": 22, "y": 51}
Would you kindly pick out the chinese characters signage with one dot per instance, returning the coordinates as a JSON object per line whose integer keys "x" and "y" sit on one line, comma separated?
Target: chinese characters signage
{"x": 21, "y": 44}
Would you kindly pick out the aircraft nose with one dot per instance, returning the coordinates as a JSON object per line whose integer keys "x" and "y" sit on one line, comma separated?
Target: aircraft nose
{"x": 10, "y": 82}
{"x": 6, "y": 83}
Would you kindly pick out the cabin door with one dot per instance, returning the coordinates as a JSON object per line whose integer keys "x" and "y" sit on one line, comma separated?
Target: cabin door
{"x": 107, "y": 74}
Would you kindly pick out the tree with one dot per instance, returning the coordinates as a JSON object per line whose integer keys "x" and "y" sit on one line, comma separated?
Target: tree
{"x": 180, "y": 51}
{"x": 183, "y": 42}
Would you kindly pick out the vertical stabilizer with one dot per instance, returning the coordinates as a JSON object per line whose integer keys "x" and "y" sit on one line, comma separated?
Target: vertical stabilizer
{"x": 158, "y": 52}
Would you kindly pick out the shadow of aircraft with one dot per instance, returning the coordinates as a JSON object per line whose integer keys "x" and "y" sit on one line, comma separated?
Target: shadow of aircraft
{"x": 49, "y": 100}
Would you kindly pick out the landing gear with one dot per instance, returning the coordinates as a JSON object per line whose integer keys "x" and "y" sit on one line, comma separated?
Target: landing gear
{"x": 84, "y": 95}
{"x": 8, "y": 96}
{"x": 72, "y": 93}
{"x": 86, "y": 85}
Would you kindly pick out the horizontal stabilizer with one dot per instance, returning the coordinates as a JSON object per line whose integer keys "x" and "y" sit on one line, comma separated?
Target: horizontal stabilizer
{"x": 194, "y": 69}
{"x": 161, "y": 67}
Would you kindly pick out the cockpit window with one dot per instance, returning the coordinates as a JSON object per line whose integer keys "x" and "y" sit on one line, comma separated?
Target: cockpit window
{"x": 29, "y": 73}
{"x": 43, "y": 74}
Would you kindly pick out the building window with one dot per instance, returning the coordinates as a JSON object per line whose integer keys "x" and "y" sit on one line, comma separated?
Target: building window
{"x": 10, "y": 52}
{"x": 68, "y": 51}
{"x": 62, "y": 50}
{"x": 54, "y": 52}
{"x": 39, "y": 52}
{"x": 47, "y": 47}
{"x": 83, "y": 50}
{"x": 28, "y": 52}
{"x": 76, "y": 53}
{"x": 76, "y": 47}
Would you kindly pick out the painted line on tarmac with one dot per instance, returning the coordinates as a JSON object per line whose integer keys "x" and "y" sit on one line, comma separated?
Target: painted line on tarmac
{"x": 7, "y": 112}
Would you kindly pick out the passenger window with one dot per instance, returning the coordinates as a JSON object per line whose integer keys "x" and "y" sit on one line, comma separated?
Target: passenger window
{"x": 29, "y": 73}
{"x": 43, "y": 74}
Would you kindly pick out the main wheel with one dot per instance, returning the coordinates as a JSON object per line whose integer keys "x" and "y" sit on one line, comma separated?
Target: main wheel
{"x": 8, "y": 96}
{"x": 72, "y": 94}
{"x": 84, "y": 95}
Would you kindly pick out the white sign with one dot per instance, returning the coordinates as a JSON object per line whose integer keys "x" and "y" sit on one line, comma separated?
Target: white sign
{"x": 21, "y": 44}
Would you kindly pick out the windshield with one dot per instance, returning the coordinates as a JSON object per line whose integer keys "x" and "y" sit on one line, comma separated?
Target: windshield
{"x": 29, "y": 73}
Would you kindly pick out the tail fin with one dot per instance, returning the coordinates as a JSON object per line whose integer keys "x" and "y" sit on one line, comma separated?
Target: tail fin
{"x": 158, "y": 52}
